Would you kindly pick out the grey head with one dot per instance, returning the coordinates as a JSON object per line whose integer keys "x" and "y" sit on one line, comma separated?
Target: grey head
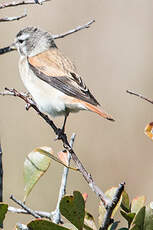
{"x": 31, "y": 41}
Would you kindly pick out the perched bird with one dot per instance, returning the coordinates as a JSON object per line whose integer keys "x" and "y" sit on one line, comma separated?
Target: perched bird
{"x": 50, "y": 77}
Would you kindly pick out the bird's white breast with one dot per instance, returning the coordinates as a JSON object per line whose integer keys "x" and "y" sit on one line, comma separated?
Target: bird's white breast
{"x": 48, "y": 99}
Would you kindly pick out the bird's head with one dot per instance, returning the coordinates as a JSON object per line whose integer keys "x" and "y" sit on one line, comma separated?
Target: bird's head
{"x": 31, "y": 41}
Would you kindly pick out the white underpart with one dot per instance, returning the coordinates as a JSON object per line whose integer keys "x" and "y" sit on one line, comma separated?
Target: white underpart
{"x": 48, "y": 99}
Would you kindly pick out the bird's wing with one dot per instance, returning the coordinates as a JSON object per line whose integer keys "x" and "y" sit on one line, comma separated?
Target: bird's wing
{"x": 58, "y": 71}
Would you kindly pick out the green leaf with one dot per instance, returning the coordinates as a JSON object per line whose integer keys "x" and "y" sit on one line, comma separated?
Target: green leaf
{"x": 102, "y": 211}
{"x": 3, "y": 211}
{"x": 73, "y": 209}
{"x": 137, "y": 203}
{"x": 113, "y": 226}
{"x": 138, "y": 221}
{"x": 148, "y": 222}
{"x": 125, "y": 204}
{"x": 35, "y": 165}
{"x": 47, "y": 153}
{"x": 89, "y": 221}
{"x": 128, "y": 216}
{"x": 44, "y": 225}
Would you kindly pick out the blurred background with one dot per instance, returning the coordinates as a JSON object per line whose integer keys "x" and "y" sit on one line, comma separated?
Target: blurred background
{"x": 113, "y": 55}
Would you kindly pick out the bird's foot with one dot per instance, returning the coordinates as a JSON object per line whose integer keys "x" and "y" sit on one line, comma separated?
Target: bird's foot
{"x": 60, "y": 135}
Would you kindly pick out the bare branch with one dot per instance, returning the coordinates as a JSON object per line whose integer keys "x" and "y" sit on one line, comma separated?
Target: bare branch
{"x": 56, "y": 216}
{"x": 87, "y": 176}
{"x": 10, "y": 19}
{"x": 5, "y": 50}
{"x": 85, "y": 26}
{"x": 30, "y": 211}
{"x": 107, "y": 219}
{"x": 139, "y": 95}
{"x": 23, "y": 211}
{"x": 108, "y": 204}
{"x": 21, "y": 2}
{"x": 55, "y": 36}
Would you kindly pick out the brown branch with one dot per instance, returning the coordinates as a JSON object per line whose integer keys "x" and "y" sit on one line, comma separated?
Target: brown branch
{"x": 87, "y": 176}
{"x": 108, "y": 204}
{"x": 87, "y": 25}
{"x": 30, "y": 211}
{"x": 21, "y": 2}
{"x": 107, "y": 219}
{"x": 141, "y": 96}
{"x": 10, "y": 19}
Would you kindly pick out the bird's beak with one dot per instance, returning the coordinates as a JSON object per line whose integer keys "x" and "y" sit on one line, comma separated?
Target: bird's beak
{"x": 7, "y": 49}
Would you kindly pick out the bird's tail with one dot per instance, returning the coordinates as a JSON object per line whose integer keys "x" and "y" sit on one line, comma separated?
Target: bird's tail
{"x": 98, "y": 111}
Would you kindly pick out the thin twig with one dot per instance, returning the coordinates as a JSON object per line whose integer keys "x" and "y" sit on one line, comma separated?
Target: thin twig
{"x": 107, "y": 219}
{"x": 87, "y": 176}
{"x": 87, "y": 25}
{"x": 56, "y": 216}
{"x": 108, "y": 204}
{"x": 30, "y": 211}
{"x": 20, "y": 2}
{"x": 10, "y": 19}
{"x": 139, "y": 95}
{"x": 23, "y": 211}
{"x": 55, "y": 36}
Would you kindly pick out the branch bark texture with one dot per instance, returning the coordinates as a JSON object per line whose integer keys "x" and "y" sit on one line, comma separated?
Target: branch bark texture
{"x": 20, "y": 2}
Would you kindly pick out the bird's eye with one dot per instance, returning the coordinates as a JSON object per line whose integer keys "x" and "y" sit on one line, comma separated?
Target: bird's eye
{"x": 21, "y": 41}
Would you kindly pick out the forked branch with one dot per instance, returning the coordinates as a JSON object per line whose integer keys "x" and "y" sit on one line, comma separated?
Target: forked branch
{"x": 108, "y": 204}
{"x": 87, "y": 176}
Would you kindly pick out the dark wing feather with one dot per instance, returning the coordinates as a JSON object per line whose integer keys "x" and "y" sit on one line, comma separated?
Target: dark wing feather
{"x": 64, "y": 84}
{"x": 57, "y": 70}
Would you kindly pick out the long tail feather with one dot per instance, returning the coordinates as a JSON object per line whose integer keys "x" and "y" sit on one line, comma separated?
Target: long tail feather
{"x": 98, "y": 111}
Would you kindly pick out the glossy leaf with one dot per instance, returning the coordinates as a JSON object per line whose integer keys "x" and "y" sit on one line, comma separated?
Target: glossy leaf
{"x": 73, "y": 209}
{"x": 149, "y": 130}
{"x": 125, "y": 204}
{"x": 138, "y": 221}
{"x": 148, "y": 222}
{"x": 102, "y": 211}
{"x": 35, "y": 165}
{"x": 89, "y": 221}
{"x": 137, "y": 203}
{"x": 44, "y": 225}
{"x": 3, "y": 211}
{"x": 128, "y": 216}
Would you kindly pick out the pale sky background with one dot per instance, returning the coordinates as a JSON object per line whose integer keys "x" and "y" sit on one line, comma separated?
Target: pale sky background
{"x": 113, "y": 55}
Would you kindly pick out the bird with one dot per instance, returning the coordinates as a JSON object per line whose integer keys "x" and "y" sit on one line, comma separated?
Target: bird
{"x": 50, "y": 77}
